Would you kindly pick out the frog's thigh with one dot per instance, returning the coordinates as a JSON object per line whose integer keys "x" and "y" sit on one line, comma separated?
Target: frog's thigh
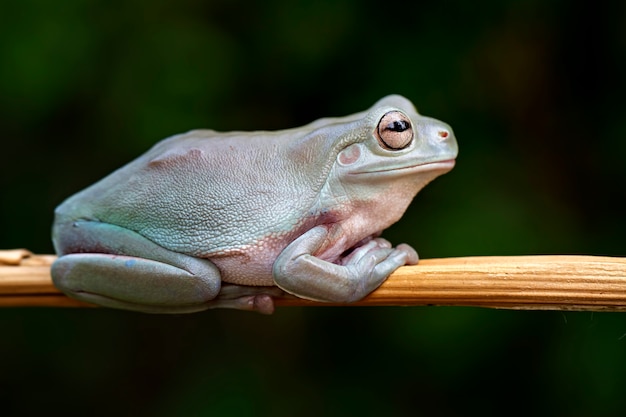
{"x": 132, "y": 283}
{"x": 146, "y": 277}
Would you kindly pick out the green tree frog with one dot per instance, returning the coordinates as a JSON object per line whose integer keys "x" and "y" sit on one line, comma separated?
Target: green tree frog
{"x": 207, "y": 219}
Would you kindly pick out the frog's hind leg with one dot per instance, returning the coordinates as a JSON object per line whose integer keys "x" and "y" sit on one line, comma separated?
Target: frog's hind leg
{"x": 131, "y": 283}
{"x": 116, "y": 267}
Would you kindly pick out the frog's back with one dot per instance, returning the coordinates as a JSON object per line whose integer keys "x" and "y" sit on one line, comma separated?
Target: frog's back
{"x": 206, "y": 194}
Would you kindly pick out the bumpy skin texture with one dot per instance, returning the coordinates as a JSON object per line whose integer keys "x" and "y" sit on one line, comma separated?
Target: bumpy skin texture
{"x": 300, "y": 209}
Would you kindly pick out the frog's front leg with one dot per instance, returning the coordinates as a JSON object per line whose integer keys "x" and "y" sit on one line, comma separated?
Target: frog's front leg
{"x": 299, "y": 272}
{"x": 116, "y": 267}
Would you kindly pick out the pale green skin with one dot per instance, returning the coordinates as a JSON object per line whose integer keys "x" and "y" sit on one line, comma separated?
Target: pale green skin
{"x": 300, "y": 209}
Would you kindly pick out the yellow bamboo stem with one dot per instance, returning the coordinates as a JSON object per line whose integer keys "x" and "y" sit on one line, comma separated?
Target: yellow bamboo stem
{"x": 554, "y": 282}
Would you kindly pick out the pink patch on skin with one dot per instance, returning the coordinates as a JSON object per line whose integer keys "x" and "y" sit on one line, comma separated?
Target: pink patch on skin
{"x": 349, "y": 155}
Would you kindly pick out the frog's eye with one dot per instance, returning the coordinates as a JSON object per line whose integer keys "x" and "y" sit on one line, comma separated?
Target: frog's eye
{"x": 394, "y": 131}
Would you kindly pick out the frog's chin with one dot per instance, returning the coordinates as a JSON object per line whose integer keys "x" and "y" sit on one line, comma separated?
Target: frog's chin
{"x": 437, "y": 166}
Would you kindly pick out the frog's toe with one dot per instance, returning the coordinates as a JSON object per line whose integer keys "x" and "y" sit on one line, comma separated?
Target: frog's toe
{"x": 263, "y": 304}
{"x": 377, "y": 249}
{"x": 411, "y": 254}
{"x": 393, "y": 261}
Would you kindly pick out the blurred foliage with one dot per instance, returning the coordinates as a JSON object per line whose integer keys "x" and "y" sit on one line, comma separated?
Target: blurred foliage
{"x": 534, "y": 91}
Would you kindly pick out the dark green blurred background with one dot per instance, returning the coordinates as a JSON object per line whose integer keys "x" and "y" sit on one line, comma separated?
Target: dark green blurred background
{"x": 534, "y": 91}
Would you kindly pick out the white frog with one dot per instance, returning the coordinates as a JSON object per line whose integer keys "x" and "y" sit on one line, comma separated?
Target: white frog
{"x": 301, "y": 209}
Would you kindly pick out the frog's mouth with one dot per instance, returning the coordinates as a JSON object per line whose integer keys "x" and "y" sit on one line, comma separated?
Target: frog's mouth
{"x": 445, "y": 165}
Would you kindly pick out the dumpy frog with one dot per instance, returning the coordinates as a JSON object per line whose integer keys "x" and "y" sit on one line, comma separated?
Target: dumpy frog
{"x": 208, "y": 219}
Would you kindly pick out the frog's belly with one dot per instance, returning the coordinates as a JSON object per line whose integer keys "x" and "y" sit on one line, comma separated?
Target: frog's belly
{"x": 253, "y": 264}
{"x": 246, "y": 268}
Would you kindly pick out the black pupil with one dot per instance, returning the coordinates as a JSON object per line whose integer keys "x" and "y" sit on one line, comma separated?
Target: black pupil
{"x": 398, "y": 126}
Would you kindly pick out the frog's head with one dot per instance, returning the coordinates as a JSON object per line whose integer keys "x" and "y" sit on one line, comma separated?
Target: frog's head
{"x": 385, "y": 155}
{"x": 395, "y": 141}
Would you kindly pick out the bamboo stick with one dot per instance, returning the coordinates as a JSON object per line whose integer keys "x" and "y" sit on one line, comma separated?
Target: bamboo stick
{"x": 547, "y": 282}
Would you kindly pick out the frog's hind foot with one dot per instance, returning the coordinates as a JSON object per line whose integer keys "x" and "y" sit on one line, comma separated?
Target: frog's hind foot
{"x": 240, "y": 297}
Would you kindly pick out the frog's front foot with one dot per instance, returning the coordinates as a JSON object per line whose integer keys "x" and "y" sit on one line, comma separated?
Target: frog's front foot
{"x": 353, "y": 277}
